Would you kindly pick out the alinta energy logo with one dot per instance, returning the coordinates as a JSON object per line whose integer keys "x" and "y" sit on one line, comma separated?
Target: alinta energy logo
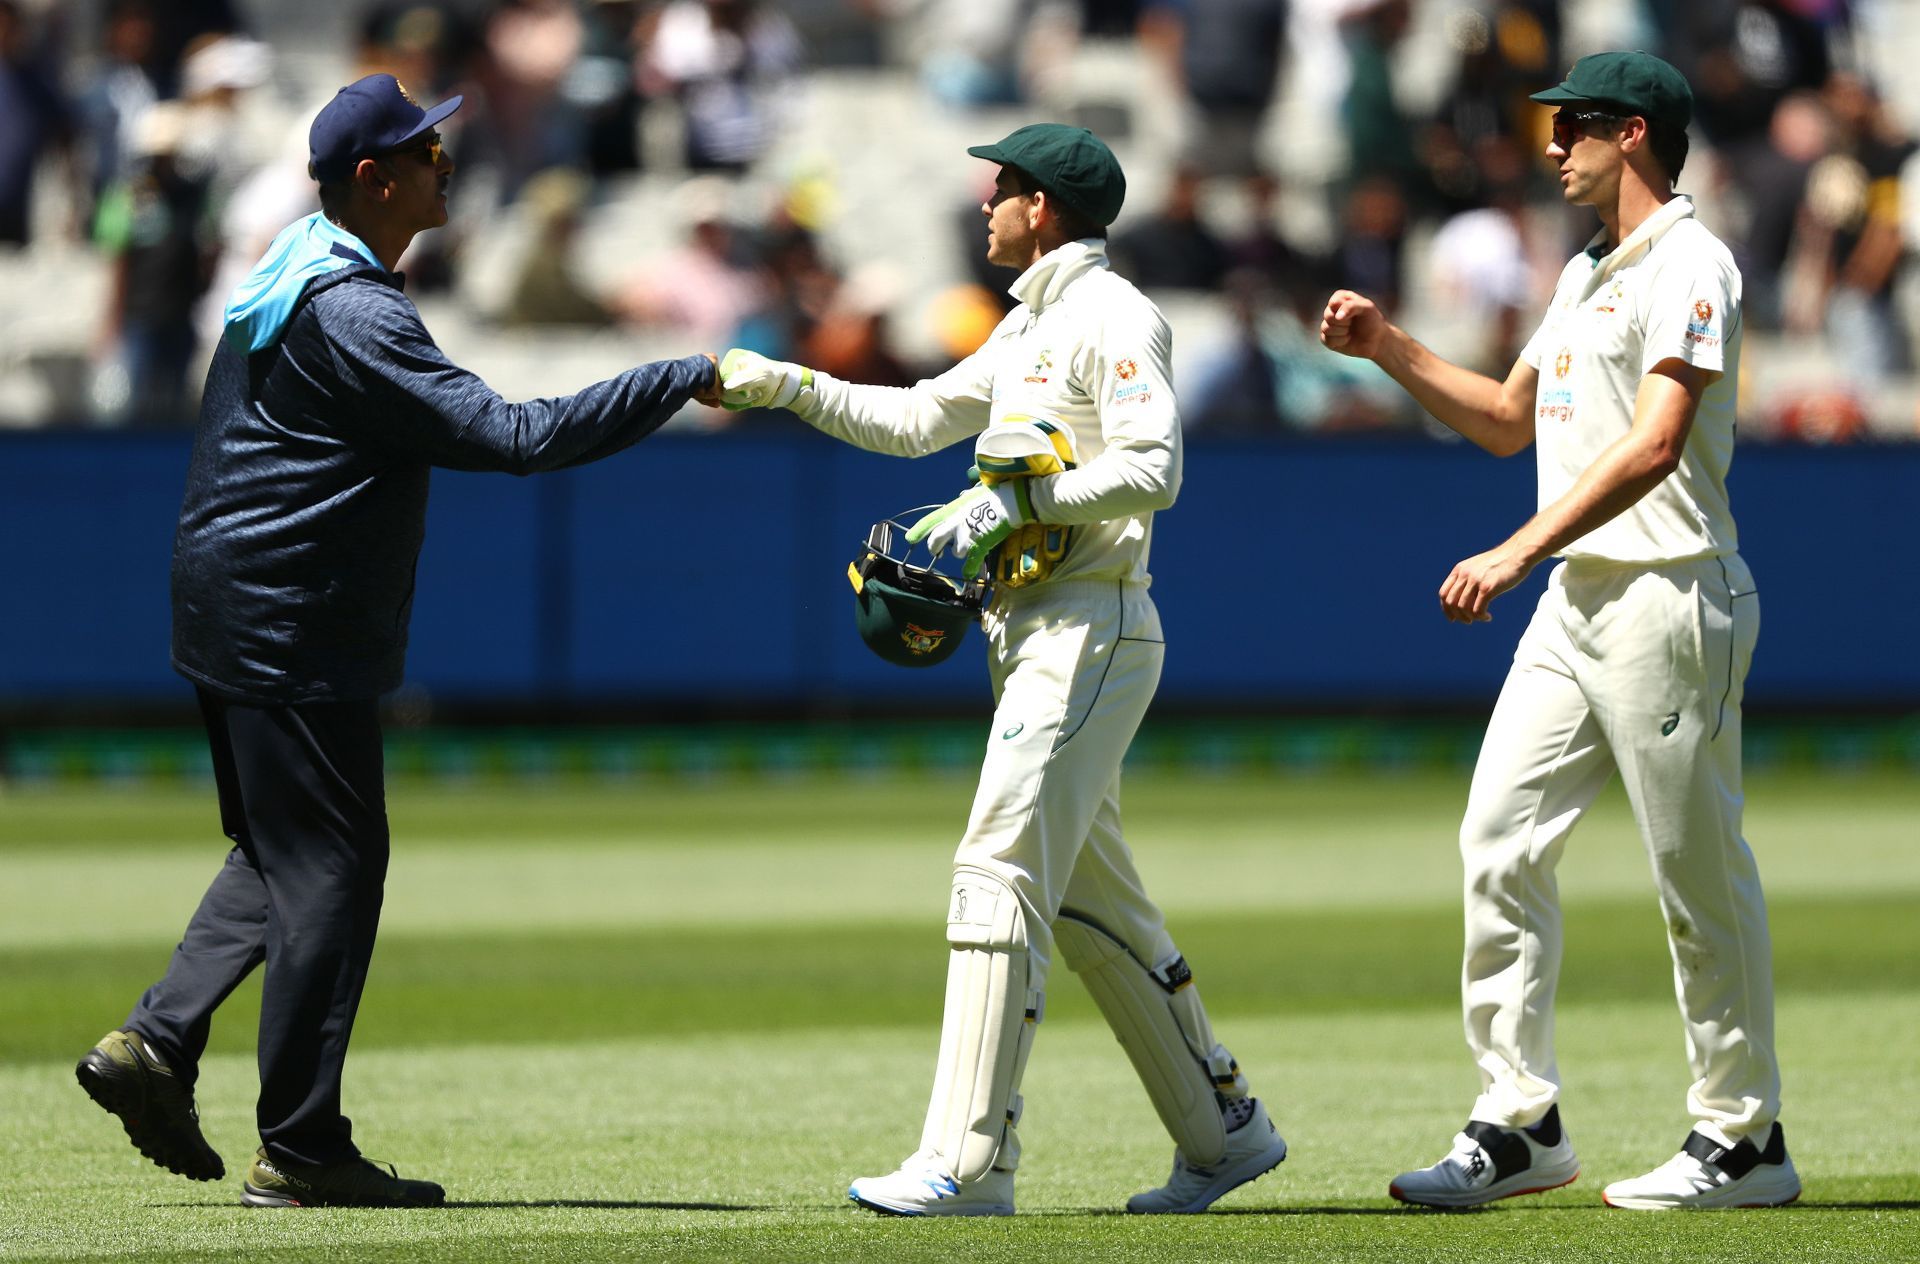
{"x": 1125, "y": 370}
{"x": 1563, "y": 363}
{"x": 1700, "y": 328}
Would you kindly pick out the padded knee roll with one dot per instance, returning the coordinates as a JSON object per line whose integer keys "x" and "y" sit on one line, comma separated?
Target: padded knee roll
{"x": 993, "y": 1005}
{"x": 1157, "y": 1016}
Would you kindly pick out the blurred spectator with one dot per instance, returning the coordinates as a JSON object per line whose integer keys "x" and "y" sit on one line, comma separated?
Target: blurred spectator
{"x": 1850, "y": 243}
{"x": 1505, "y": 53}
{"x": 850, "y": 340}
{"x": 118, "y": 92}
{"x": 1744, "y": 56}
{"x": 1379, "y": 134}
{"x": 214, "y": 78}
{"x": 706, "y": 289}
{"x": 964, "y": 317}
{"x": 1485, "y": 272}
{"x": 1294, "y": 276}
{"x": 1770, "y": 176}
{"x": 1369, "y": 256}
{"x": 178, "y": 26}
{"x": 33, "y": 119}
{"x": 154, "y": 228}
{"x": 546, "y": 289}
{"x": 605, "y": 87}
{"x": 531, "y": 48}
{"x": 801, "y": 284}
{"x": 1229, "y": 65}
{"x": 1172, "y": 248}
{"x": 973, "y": 50}
{"x": 731, "y": 64}
{"x": 1272, "y": 376}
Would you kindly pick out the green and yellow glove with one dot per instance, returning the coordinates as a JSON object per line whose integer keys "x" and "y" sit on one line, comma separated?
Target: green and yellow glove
{"x": 750, "y": 380}
{"x": 972, "y": 523}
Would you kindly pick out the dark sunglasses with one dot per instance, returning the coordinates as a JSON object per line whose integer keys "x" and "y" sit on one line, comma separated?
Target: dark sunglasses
{"x": 431, "y": 147}
{"x": 1570, "y": 125}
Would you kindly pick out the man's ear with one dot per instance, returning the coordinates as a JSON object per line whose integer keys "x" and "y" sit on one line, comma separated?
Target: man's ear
{"x": 371, "y": 180}
{"x": 1039, "y": 210}
{"x": 1633, "y": 134}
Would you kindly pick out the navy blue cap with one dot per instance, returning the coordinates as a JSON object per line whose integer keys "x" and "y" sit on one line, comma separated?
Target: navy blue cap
{"x": 367, "y": 117}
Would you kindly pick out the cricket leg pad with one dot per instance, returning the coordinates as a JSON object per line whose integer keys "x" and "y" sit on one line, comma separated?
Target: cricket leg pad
{"x": 1156, "y": 1014}
{"x": 994, "y": 1003}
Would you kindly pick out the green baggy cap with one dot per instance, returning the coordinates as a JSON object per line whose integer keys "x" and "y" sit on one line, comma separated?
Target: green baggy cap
{"x": 1071, "y": 163}
{"x": 1636, "y": 82}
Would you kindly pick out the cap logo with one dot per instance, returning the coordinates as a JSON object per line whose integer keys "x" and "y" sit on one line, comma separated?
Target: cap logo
{"x": 405, "y": 95}
{"x": 919, "y": 640}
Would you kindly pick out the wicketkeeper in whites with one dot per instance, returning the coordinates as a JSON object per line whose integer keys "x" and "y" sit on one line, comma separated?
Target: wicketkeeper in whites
{"x": 1635, "y": 659}
{"x": 1079, "y": 445}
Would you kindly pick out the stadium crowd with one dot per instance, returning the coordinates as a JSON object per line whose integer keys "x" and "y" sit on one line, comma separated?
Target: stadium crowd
{"x": 1288, "y": 146}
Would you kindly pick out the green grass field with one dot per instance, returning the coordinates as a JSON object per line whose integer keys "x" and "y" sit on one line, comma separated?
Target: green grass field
{"x": 671, "y": 1022}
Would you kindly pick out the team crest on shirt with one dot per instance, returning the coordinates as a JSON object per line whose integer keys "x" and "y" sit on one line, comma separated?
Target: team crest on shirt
{"x": 1700, "y": 327}
{"x": 1563, "y": 363}
{"x": 1040, "y": 366}
{"x": 921, "y": 640}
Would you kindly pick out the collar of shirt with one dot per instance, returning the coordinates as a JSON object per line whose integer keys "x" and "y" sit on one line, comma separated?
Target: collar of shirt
{"x": 1651, "y": 230}
{"x": 1054, "y": 271}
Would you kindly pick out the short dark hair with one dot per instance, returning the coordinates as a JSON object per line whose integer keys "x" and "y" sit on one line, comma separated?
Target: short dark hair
{"x": 333, "y": 197}
{"x": 1074, "y": 223}
{"x": 1669, "y": 146}
{"x": 1665, "y": 141}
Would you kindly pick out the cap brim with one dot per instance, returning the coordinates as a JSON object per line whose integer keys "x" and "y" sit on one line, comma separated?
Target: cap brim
{"x": 432, "y": 117}
{"x": 1559, "y": 94}
{"x": 992, "y": 153}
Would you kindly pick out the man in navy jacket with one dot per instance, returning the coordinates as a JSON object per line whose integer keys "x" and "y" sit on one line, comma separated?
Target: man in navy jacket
{"x": 326, "y": 407}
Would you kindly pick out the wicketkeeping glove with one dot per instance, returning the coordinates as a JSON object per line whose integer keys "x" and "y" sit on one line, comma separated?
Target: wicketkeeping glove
{"x": 969, "y": 525}
{"x": 750, "y": 380}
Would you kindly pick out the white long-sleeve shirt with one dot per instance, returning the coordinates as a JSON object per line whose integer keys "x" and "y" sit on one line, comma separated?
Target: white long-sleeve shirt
{"x": 1085, "y": 348}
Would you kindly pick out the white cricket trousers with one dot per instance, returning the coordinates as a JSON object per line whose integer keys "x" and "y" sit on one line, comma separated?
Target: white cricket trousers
{"x": 1074, "y": 665}
{"x": 1639, "y": 667}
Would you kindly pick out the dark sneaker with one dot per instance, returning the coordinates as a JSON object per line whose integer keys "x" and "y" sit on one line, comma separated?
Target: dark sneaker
{"x": 1488, "y": 1163}
{"x": 129, "y": 1079}
{"x": 352, "y": 1182}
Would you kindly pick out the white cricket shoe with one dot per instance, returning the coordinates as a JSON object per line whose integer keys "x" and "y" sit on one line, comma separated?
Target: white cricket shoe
{"x": 924, "y": 1187}
{"x": 1708, "y": 1174}
{"x": 1489, "y": 1162}
{"x": 1253, "y": 1149}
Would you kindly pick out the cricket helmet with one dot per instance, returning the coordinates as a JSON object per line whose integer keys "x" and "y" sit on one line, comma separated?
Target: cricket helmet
{"x": 908, "y": 612}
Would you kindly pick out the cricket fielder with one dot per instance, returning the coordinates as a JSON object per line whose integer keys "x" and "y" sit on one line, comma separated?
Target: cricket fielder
{"x": 1635, "y": 659}
{"x": 1079, "y": 445}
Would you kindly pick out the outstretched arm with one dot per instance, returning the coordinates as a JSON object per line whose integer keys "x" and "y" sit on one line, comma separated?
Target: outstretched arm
{"x": 1628, "y": 469}
{"x": 1498, "y": 416}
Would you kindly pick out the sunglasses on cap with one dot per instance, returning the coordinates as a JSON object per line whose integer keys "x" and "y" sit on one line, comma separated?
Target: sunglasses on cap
{"x": 1570, "y": 125}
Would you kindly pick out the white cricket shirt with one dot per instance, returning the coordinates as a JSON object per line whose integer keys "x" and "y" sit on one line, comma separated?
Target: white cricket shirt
{"x": 1084, "y": 347}
{"x": 1670, "y": 291}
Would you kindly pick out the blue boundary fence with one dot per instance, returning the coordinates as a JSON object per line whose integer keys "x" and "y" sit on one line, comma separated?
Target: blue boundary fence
{"x": 711, "y": 570}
